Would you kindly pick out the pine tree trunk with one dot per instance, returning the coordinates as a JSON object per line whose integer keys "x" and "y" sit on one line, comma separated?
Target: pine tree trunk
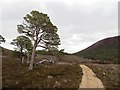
{"x": 23, "y": 59}
{"x": 21, "y": 55}
{"x": 28, "y": 57}
{"x": 32, "y": 58}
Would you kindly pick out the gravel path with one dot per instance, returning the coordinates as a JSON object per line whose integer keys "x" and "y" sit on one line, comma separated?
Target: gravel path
{"x": 89, "y": 79}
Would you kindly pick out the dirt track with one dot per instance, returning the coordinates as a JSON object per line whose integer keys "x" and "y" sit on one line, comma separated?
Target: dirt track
{"x": 89, "y": 79}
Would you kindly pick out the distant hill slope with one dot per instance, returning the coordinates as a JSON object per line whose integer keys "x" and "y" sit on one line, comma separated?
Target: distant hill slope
{"x": 6, "y": 52}
{"x": 106, "y": 49}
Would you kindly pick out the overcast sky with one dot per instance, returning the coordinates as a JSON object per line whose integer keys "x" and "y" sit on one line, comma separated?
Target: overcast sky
{"x": 80, "y": 22}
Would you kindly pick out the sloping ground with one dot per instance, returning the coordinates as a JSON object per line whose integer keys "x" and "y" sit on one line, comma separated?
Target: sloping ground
{"x": 6, "y": 51}
{"x": 64, "y": 58}
{"x": 89, "y": 79}
{"x": 43, "y": 76}
{"x": 106, "y": 49}
{"x": 108, "y": 73}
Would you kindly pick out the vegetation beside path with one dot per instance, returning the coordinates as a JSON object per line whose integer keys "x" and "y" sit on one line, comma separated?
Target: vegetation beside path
{"x": 108, "y": 73}
{"x": 43, "y": 76}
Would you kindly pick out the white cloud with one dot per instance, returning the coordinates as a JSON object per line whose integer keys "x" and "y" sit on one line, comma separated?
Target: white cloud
{"x": 80, "y": 22}
{"x": 7, "y": 44}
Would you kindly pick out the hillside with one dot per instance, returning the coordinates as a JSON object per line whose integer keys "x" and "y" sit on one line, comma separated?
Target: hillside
{"x": 104, "y": 50}
{"x": 65, "y": 72}
{"x": 44, "y": 75}
{"x": 6, "y": 52}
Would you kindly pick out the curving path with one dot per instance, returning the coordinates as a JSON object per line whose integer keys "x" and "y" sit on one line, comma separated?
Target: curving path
{"x": 89, "y": 79}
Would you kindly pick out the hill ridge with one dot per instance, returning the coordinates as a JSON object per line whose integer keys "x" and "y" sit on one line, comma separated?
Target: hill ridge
{"x": 105, "y": 49}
